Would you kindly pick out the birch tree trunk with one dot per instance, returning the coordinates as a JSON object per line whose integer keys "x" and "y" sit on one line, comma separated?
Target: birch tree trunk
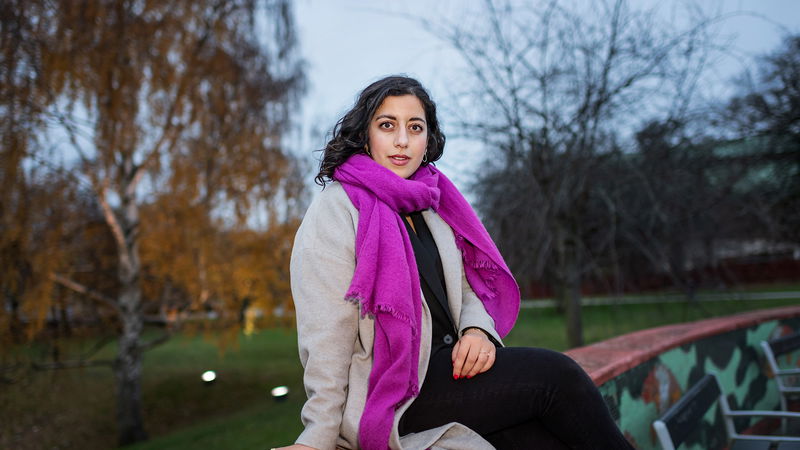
{"x": 128, "y": 364}
{"x": 193, "y": 96}
{"x": 124, "y": 224}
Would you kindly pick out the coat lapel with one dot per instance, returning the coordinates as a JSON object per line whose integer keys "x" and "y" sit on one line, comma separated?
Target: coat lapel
{"x": 451, "y": 261}
{"x": 427, "y": 268}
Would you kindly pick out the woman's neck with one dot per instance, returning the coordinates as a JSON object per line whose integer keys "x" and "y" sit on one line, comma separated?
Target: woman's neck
{"x": 410, "y": 222}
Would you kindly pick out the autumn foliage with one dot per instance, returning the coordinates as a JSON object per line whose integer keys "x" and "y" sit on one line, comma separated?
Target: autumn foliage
{"x": 144, "y": 171}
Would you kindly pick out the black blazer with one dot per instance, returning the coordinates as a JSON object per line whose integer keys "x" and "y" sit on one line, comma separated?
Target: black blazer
{"x": 431, "y": 275}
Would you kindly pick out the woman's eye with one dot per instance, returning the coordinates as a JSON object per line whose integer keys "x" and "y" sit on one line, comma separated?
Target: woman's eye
{"x": 385, "y": 125}
{"x": 417, "y": 127}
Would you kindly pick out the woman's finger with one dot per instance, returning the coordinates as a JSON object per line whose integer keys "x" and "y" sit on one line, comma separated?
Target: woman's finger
{"x": 462, "y": 363}
{"x": 455, "y": 351}
{"x": 480, "y": 360}
{"x": 491, "y": 360}
{"x": 486, "y": 358}
{"x": 471, "y": 365}
{"x": 481, "y": 356}
{"x": 457, "y": 362}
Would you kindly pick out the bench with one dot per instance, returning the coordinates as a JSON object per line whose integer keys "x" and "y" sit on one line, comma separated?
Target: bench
{"x": 678, "y": 422}
{"x": 772, "y": 350}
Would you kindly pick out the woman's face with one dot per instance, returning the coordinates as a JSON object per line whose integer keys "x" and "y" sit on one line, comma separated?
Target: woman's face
{"x": 398, "y": 134}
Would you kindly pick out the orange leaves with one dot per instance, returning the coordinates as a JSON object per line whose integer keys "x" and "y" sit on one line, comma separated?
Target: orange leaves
{"x": 210, "y": 265}
{"x": 171, "y": 116}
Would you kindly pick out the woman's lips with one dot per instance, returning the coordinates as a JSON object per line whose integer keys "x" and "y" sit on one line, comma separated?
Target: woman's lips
{"x": 399, "y": 160}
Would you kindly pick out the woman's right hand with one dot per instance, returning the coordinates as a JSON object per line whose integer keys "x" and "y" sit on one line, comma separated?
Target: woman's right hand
{"x": 295, "y": 447}
{"x": 474, "y": 353}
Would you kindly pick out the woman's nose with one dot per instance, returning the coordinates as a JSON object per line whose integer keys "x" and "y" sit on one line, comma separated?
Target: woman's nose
{"x": 401, "y": 138}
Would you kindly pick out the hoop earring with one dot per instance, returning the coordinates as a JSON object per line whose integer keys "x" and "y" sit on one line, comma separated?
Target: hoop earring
{"x": 425, "y": 157}
{"x": 366, "y": 149}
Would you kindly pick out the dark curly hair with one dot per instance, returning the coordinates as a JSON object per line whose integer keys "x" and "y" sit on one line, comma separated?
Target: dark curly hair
{"x": 350, "y": 135}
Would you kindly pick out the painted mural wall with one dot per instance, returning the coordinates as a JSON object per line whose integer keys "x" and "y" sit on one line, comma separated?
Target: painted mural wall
{"x": 640, "y": 395}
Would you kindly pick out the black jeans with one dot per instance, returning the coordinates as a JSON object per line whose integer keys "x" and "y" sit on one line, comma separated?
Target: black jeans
{"x": 530, "y": 398}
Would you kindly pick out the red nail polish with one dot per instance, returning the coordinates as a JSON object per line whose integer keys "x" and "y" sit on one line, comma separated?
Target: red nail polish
{"x": 469, "y": 376}
{"x": 455, "y": 377}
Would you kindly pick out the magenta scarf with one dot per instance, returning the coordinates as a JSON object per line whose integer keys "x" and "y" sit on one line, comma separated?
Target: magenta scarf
{"x": 386, "y": 280}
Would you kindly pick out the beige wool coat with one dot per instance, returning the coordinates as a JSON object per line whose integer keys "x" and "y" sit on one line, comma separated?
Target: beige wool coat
{"x": 335, "y": 342}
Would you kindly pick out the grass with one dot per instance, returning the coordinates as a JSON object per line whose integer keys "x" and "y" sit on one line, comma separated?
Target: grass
{"x": 544, "y": 327}
{"x": 74, "y": 408}
{"x": 258, "y": 427}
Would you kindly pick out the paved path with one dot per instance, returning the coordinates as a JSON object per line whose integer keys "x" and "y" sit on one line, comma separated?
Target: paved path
{"x": 673, "y": 298}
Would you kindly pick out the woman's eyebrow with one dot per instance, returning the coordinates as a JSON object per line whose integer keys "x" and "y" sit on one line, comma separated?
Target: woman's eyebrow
{"x": 391, "y": 117}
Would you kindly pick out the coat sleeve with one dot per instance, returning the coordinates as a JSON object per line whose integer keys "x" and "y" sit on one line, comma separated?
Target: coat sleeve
{"x": 473, "y": 314}
{"x": 322, "y": 267}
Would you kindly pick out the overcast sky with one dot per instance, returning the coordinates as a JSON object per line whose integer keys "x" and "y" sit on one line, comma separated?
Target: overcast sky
{"x": 348, "y": 44}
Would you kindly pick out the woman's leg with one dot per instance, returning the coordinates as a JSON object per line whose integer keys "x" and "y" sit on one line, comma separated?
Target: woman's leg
{"x": 525, "y": 436}
{"x": 525, "y": 387}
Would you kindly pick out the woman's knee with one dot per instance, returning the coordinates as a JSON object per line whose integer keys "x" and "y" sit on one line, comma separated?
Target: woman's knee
{"x": 564, "y": 362}
{"x": 560, "y": 366}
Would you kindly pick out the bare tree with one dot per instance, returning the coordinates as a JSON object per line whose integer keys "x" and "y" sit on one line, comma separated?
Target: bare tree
{"x": 766, "y": 114}
{"x": 675, "y": 198}
{"x": 698, "y": 189}
{"x": 556, "y": 88}
{"x": 189, "y": 98}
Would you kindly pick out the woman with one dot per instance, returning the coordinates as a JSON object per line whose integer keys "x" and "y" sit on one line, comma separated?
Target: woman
{"x": 402, "y": 299}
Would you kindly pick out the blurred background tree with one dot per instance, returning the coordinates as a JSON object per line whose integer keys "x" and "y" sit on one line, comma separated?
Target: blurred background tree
{"x": 717, "y": 184}
{"x": 147, "y": 190}
{"x": 164, "y": 121}
{"x": 554, "y": 89}
{"x": 766, "y": 113}
{"x": 607, "y": 163}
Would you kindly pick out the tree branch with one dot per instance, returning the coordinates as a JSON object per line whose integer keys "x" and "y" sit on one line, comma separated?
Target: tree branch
{"x": 151, "y": 344}
{"x": 171, "y": 131}
{"x": 81, "y": 289}
{"x": 113, "y": 224}
{"x": 74, "y": 364}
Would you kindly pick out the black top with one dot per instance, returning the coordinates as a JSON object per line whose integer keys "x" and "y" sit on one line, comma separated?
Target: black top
{"x": 431, "y": 276}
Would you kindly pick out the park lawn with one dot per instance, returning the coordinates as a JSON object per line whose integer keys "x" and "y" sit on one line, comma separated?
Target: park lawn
{"x": 255, "y": 428}
{"x": 75, "y": 409}
{"x": 544, "y": 327}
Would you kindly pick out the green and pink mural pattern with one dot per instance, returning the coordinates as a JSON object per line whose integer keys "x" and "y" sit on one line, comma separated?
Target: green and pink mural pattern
{"x": 641, "y": 394}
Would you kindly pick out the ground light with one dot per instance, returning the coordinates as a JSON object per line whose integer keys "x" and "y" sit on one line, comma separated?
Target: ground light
{"x": 209, "y": 376}
{"x": 280, "y": 393}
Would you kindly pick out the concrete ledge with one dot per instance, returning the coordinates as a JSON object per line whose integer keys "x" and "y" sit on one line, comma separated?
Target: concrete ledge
{"x": 608, "y": 359}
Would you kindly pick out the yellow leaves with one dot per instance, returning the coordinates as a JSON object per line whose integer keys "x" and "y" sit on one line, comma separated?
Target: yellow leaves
{"x": 188, "y": 83}
{"x": 214, "y": 266}
{"x": 35, "y": 243}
